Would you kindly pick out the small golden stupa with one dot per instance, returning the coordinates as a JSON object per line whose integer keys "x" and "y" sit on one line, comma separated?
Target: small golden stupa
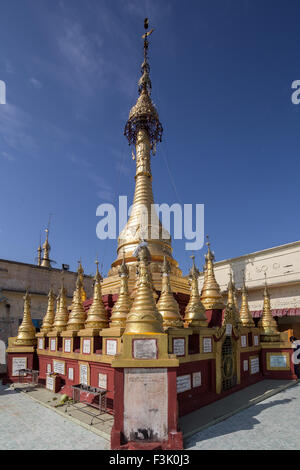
{"x": 122, "y": 306}
{"x": 211, "y": 296}
{"x": 97, "y": 316}
{"x": 195, "y": 310}
{"x": 267, "y": 324}
{"x": 144, "y": 316}
{"x": 50, "y": 314}
{"x": 77, "y": 316}
{"x": 62, "y": 314}
{"x": 26, "y": 331}
{"x": 245, "y": 314}
{"x": 167, "y": 305}
{"x": 231, "y": 309}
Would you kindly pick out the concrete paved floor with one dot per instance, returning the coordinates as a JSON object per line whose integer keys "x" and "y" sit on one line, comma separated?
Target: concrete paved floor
{"x": 25, "y": 424}
{"x": 271, "y": 424}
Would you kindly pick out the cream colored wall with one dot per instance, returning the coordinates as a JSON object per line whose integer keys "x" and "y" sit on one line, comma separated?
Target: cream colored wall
{"x": 16, "y": 277}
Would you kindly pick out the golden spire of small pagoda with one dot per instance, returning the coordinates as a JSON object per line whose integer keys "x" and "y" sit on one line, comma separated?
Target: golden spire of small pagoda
{"x": 195, "y": 310}
{"x": 50, "y": 314}
{"x": 245, "y": 314}
{"x": 231, "y": 309}
{"x": 77, "y": 315}
{"x": 97, "y": 315}
{"x": 81, "y": 272}
{"x": 61, "y": 314}
{"x": 268, "y": 325}
{"x": 167, "y": 305}
{"x": 122, "y": 306}
{"x": 211, "y": 296}
{"x": 144, "y": 316}
{"x": 26, "y": 331}
{"x": 46, "y": 263}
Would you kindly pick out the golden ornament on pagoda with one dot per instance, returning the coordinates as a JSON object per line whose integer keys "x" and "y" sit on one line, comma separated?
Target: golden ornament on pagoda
{"x": 77, "y": 316}
{"x": 26, "y": 331}
{"x": 97, "y": 316}
{"x": 61, "y": 314}
{"x": 122, "y": 306}
{"x": 143, "y": 316}
{"x": 211, "y": 296}
{"x": 245, "y": 314}
{"x": 50, "y": 314}
{"x": 167, "y": 305}
{"x": 195, "y": 310}
{"x": 267, "y": 324}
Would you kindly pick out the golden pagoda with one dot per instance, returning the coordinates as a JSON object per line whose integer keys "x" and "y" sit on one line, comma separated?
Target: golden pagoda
{"x": 267, "y": 324}
{"x": 46, "y": 262}
{"x": 231, "y": 309}
{"x": 211, "y": 296}
{"x": 26, "y": 331}
{"x": 245, "y": 314}
{"x": 167, "y": 305}
{"x": 62, "y": 314}
{"x": 195, "y": 310}
{"x": 50, "y": 314}
{"x": 122, "y": 306}
{"x": 143, "y": 131}
{"x": 143, "y": 316}
{"x": 77, "y": 316}
{"x": 97, "y": 315}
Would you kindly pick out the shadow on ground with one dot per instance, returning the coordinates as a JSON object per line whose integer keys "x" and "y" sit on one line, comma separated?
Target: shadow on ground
{"x": 243, "y": 421}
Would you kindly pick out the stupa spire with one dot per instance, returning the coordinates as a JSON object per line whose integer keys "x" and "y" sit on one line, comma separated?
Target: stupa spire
{"x": 77, "y": 315}
{"x": 167, "y": 305}
{"x": 144, "y": 316}
{"x": 50, "y": 314}
{"x": 211, "y": 296}
{"x": 245, "y": 314}
{"x": 122, "y": 306}
{"x": 195, "y": 310}
{"x": 97, "y": 315}
{"x": 81, "y": 273}
{"x": 143, "y": 131}
{"x": 267, "y": 323}
{"x": 61, "y": 314}
{"x": 46, "y": 263}
{"x": 26, "y": 331}
{"x": 231, "y": 305}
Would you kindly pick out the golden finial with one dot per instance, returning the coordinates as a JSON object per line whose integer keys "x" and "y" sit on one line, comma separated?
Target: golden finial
{"x": 231, "y": 311}
{"x": 77, "y": 315}
{"x": 245, "y": 314}
{"x": 50, "y": 314}
{"x": 268, "y": 325}
{"x": 194, "y": 311}
{"x": 46, "y": 263}
{"x": 61, "y": 314}
{"x": 80, "y": 271}
{"x": 39, "y": 251}
{"x": 26, "y": 331}
{"x": 144, "y": 316}
{"x": 122, "y": 306}
{"x": 97, "y": 316}
{"x": 167, "y": 305}
{"x": 211, "y": 296}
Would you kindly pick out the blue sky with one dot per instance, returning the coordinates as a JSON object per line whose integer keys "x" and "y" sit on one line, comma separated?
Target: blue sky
{"x": 221, "y": 75}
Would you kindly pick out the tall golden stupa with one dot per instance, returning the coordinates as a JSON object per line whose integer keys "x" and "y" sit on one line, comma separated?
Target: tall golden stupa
{"x": 143, "y": 131}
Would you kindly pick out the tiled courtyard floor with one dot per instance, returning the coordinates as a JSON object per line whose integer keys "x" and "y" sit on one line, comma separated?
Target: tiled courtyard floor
{"x": 271, "y": 424}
